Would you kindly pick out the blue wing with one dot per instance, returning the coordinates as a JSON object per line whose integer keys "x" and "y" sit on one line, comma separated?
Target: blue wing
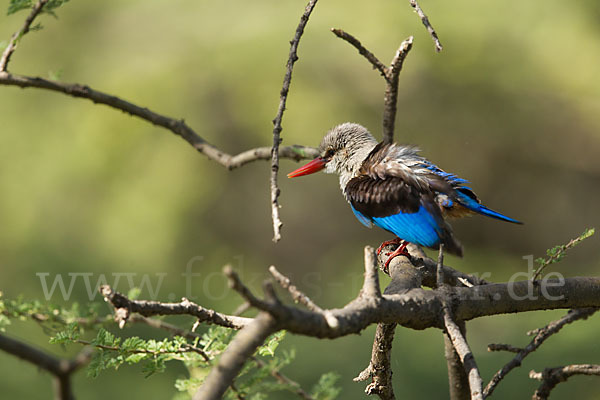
{"x": 363, "y": 220}
{"x": 420, "y": 227}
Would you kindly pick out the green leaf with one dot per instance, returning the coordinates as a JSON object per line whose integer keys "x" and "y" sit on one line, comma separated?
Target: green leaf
{"x": 268, "y": 349}
{"x": 69, "y": 335}
{"x": 18, "y": 5}
{"x": 325, "y": 389}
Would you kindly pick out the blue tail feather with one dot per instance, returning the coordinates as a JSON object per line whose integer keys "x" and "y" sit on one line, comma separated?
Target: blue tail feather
{"x": 473, "y": 205}
{"x": 491, "y": 213}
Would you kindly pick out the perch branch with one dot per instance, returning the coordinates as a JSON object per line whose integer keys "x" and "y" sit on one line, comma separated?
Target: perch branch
{"x": 292, "y": 58}
{"x": 551, "y": 377}
{"x": 540, "y": 336}
{"x": 404, "y": 278}
{"x": 60, "y": 368}
{"x": 425, "y": 20}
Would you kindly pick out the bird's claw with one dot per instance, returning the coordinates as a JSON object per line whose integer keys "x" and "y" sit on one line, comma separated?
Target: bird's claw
{"x": 396, "y": 240}
{"x": 400, "y": 251}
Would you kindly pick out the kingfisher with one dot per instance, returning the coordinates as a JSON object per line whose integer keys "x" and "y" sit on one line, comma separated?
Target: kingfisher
{"x": 393, "y": 187}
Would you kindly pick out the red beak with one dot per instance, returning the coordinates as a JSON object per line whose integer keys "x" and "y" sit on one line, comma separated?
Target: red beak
{"x": 314, "y": 166}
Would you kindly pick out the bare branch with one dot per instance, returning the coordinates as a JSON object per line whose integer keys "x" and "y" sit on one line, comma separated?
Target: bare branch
{"x": 380, "y": 368}
{"x": 236, "y": 284}
{"x": 503, "y": 347}
{"x": 297, "y": 295}
{"x": 458, "y": 382}
{"x": 404, "y": 278}
{"x": 390, "y": 74}
{"x": 292, "y": 58}
{"x": 178, "y": 127}
{"x": 14, "y": 39}
{"x": 457, "y": 336}
{"x": 124, "y": 307}
{"x": 378, "y": 65}
{"x": 371, "y": 287}
{"x": 425, "y": 20}
{"x": 60, "y": 368}
{"x": 391, "y": 90}
{"x": 241, "y": 348}
{"x": 466, "y": 356}
{"x": 551, "y": 377}
{"x": 540, "y": 336}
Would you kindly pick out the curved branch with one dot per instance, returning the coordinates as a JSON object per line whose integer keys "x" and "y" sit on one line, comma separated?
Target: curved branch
{"x": 551, "y": 377}
{"x": 60, "y": 368}
{"x": 540, "y": 336}
{"x": 178, "y": 127}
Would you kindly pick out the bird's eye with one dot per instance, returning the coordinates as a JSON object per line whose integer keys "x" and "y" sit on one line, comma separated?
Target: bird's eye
{"x": 328, "y": 154}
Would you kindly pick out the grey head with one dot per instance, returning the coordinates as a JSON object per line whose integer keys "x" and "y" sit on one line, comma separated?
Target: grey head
{"x": 345, "y": 147}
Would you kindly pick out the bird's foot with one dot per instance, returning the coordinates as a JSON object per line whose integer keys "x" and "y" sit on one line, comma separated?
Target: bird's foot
{"x": 400, "y": 251}
{"x": 396, "y": 240}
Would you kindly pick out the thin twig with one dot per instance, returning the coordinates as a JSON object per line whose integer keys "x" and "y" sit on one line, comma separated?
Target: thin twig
{"x": 297, "y": 294}
{"x": 292, "y": 58}
{"x": 425, "y": 20}
{"x": 503, "y": 347}
{"x": 551, "y": 377}
{"x": 285, "y": 380}
{"x": 236, "y": 284}
{"x": 541, "y": 335}
{"x": 302, "y": 298}
{"x": 559, "y": 251}
{"x": 125, "y": 306}
{"x": 390, "y": 74}
{"x": 18, "y": 35}
{"x": 177, "y": 126}
{"x": 378, "y": 65}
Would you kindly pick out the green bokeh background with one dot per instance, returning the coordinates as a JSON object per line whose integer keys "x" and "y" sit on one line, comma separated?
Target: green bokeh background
{"x": 511, "y": 104}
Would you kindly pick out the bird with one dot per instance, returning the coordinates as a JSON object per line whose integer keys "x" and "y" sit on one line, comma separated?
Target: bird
{"x": 391, "y": 186}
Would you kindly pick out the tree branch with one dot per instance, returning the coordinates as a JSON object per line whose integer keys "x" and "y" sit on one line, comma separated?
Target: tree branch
{"x": 390, "y": 74}
{"x": 178, "y": 127}
{"x": 18, "y": 35}
{"x": 551, "y": 377}
{"x": 425, "y": 20}
{"x": 540, "y": 336}
{"x": 456, "y": 334}
{"x": 292, "y": 58}
{"x": 390, "y": 106}
{"x": 124, "y": 307}
{"x": 241, "y": 348}
{"x": 60, "y": 368}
